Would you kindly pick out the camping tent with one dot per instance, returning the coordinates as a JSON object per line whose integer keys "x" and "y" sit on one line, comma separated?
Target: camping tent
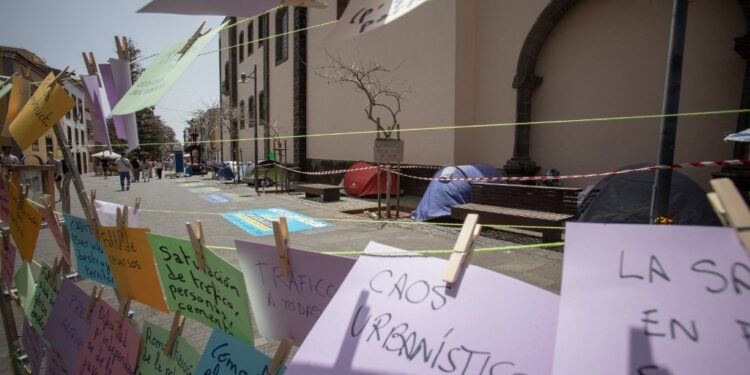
{"x": 364, "y": 182}
{"x": 442, "y": 195}
{"x": 626, "y": 198}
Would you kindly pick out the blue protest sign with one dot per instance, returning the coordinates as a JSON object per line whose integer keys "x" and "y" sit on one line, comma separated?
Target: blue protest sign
{"x": 258, "y": 222}
{"x": 91, "y": 261}
{"x": 226, "y": 354}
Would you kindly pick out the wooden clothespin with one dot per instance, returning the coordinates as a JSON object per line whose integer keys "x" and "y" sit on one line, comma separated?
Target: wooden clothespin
{"x": 731, "y": 208}
{"x": 305, "y": 3}
{"x": 282, "y": 353}
{"x": 122, "y": 314}
{"x": 56, "y": 269}
{"x": 91, "y": 68}
{"x": 92, "y": 301}
{"x": 23, "y": 192}
{"x": 281, "y": 234}
{"x": 463, "y": 249}
{"x": 178, "y": 323}
{"x": 122, "y": 48}
{"x": 197, "y": 240}
{"x": 197, "y": 34}
{"x": 62, "y": 75}
{"x": 121, "y": 224}
{"x": 137, "y": 205}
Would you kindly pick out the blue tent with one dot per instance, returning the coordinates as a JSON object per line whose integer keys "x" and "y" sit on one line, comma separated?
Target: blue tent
{"x": 442, "y": 195}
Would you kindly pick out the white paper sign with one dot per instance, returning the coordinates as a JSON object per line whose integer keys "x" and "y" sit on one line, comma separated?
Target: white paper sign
{"x": 247, "y": 8}
{"x": 107, "y": 212}
{"x": 362, "y": 16}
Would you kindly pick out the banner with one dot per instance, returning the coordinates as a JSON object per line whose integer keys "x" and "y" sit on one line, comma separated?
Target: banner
{"x": 94, "y": 100}
{"x": 47, "y": 106}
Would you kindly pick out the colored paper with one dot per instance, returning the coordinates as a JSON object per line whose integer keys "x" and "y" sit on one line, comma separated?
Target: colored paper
{"x": 25, "y": 223}
{"x": 54, "y": 226}
{"x": 66, "y": 328}
{"x": 289, "y": 307}
{"x": 107, "y": 353}
{"x": 132, "y": 264}
{"x": 55, "y": 364}
{"x": 44, "y": 297}
{"x": 159, "y": 77}
{"x": 19, "y": 95}
{"x": 48, "y": 105}
{"x": 215, "y": 296}
{"x": 217, "y": 198}
{"x": 362, "y": 16}
{"x": 395, "y": 315}
{"x": 25, "y": 287}
{"x": 33, "y": 347}
{"x": 153, "y": 361}
{"x": 186, "y": 357}
{"x": 117, "y": 81}
{"x": 94, "y": 101}
{"x": 8, "y": 255}
{"x": 4, "y": 208}
{"x": 643, "y": 299}
{"x": 91, "y": 261}
{"x": 226, "y": 355}
{"x": 113, "y": 95}
{"x": 204, "y": 190}
{"x": 258, "y": 222}
{"x": 107, "y": 213}
{"x": 213, "y": 7}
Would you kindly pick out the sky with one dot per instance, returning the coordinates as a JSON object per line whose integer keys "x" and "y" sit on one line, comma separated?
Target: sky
{"x": 59, "y": 30}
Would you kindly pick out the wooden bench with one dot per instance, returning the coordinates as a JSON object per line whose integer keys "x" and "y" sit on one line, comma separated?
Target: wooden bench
{"x": 521, "y": 205}
{"x": 330, "y": 193}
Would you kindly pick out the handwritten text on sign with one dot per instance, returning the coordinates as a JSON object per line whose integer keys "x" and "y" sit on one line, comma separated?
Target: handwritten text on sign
{"x": 44, "y": 297}
{"x": 362, "y": 16}
{"x": 91, "y": 260}
{"x": 394, "y": 315}
{"x": 152, "y": 359}
{"x": 25, "y": 223}
{"x": 664, "y": 299}
{"x": 107, "y": 353}
{"x": 49, "y": 104}
{"x": 66, "y": 329}
{"x": 225, "y": 355}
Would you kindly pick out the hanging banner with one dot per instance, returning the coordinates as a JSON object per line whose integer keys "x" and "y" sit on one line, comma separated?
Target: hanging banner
{"x": 25, "y": 223}
{"x": 105, "y": 352}
{"x": 116, "y": 80}
{"x": 66, "y": 328}
{"x": 44, "y": 297}
{"x": 107, "y": 212}
{"x": 19, "y": 95}
{"x": 94, "y": 102}
{"x": 213, "y": 7}
{"x": 362, "y": 16}
{"x": 91, "y": 261}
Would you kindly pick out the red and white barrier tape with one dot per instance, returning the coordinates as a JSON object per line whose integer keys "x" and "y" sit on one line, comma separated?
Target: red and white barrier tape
{"x": 342, "y": 171}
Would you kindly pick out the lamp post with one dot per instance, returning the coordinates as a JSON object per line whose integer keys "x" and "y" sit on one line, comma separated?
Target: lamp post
{"x": 243, "y": 79}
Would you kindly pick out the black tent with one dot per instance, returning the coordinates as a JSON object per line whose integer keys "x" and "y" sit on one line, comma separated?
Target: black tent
{"x": 626, "y": 198}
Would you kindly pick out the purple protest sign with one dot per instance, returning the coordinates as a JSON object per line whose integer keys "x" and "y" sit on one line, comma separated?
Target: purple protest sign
{"x": 103, "y": 351}
{"x": 112, "y": 97}
{"x": 55, "y": 363}
{"x": 394, "y": 315}
{"x": 653, "y": 299}
{"x": 33, "y": 346}
{"x": 8, "y": 254}
{"x": 66, "y": 329}
{"x": 289, "y": 308}
{"x": 94, "y": 99}
{"x": 4, "y": 213}
{"x": 117, "y": 81}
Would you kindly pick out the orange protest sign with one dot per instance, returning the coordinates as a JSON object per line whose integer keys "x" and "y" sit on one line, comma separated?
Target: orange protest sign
{"x": 19, "y": 95}
{"x": 25, "y": 223}
{"x": 48, "y": 105}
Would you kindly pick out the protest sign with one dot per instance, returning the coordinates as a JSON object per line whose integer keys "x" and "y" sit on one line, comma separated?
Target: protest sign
{"x": 55, "y": 364}
{"x": 4, "y": 209}
{"x": 362, "y": 16}
{"x": 159, "y": 77}
{"x": 94, "y": 100}
{"x": 395, "y": 315}
{"x": 25, "y": 287}
{"x": 25, "y": 223}
{"x": 258, "y": 222}
{"x": 44, "y": 297}
{"x": 215, "y": 7}
{"x": 19, "y": 95}
{"x": 91, "y": 261}
{"x": 647, "y": 299}
{"x": 116, "y": 79}
{"x": 153, "y": 361}
{"x": 287, "y": 308}
{"x": 186, "y": 357}
{"x": 48, "y": 105}
{"x": 226, "y": 355}
{"x": 66, "y": 328}
{"x": 54, "y": 227}
{"x": 107, "y": 213}
{"x": 33, "y": 346}
{"x": 132, "y": 263}
{"x": 104, "y": 352}
{"x": 215, "y": 296}
{"x": 8, "y": 259}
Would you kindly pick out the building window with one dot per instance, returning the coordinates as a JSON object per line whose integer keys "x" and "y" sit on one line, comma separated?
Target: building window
{"x": 250, "y": 36}
{"x": 262, "y": 106}
{"x": 241, "y": 111}
{"x": 78, "y": 142}
{"x": 263, "y": 28}
{"x": 80, "y": 111}
{"x": 48, "y": 144}
{"x": 251, "y": 110}
{"x": 282, "y": 39}
{"x": 70, "y": 136}
{"x": 225, "y": 84}
{"x": 35, "y": 145}
{"x": 340, "y": 7}
{"x": 242, "y": 47}
{"x": 83, "y": 138}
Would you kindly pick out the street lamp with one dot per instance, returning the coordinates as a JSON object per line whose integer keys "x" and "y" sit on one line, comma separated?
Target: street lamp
{"x": 243, "y": 79}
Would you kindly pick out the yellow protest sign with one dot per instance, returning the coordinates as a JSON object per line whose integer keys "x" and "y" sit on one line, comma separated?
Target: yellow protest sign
{"x": 48, "y": 105}
{"x": 25, "y": 223}
{"x": 19, "y": 95}
{"x": 133, "y": 268}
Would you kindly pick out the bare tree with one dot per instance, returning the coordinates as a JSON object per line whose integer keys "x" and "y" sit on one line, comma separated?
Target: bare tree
{"x": 384, "y": 96}
{"x": 214, "y": 121}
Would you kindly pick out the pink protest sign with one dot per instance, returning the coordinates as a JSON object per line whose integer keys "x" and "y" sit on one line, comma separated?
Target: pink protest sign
{"x": 94, "y": 99}
{"x": 647, "y": 299}
{"x": 8, "y": 259}
{"x": 103, "y": 351}
{"x": 54, "y": 227}
{"x": 289, "y": 307}
{"x": 394, "y": 315}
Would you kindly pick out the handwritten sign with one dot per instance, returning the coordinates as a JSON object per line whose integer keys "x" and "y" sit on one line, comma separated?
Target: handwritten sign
{"x": 215, "y": 7}
{"x": 215, "y": 296}
{"x": 186, "y": 357}
{"x": 91, "y": 261}
{"x": 19, "y": 95}
{"x": 288, "y": 308}
{"x": 33, "y": 346}
{"x": 259, "y": 222}
{"x": 226, "y": 355}
{"x": 25, "y": 287}
{"x": 54, "y": 227}
{"x": 4, "y": 209}
{"x": 66, "y": 328}
{"x": 132, "y": 263}
{"x": 25, "y": 223}
{"x": 55, "y": 363}
{"x": 8, "y": 259}
{"x": 362, "y": 16}
{"x": 389, "y": 150}
{"x": 94, "y": 103}
{"x": 44, "y": 297}
{"x": 159, "y": 77}
{"x": 641, "y": 299}
{"x": 153, "y": 361}
{"x": 107, "y": 353}
{"x": 395, "y": 315}
{"x": 48, "y": 105}
{"x": 107, "y": 213}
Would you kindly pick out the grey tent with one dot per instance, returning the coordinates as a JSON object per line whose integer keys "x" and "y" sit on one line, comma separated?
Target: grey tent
{"x": 626, "y": 198}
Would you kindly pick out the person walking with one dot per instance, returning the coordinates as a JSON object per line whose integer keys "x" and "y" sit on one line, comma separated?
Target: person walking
{"x": 159, "y": 168}
{"x": 145, "y": 170}
{"x": 136, "y": 168}
{"x": 150, "y": 169}
{"x": 125, "y": 169}
{"x": 7, "y": 158}
{"x": 105, "y": 167}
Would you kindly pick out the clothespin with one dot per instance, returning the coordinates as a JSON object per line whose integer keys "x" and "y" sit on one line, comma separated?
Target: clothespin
{"x": 56, "y": 269}
{"x": 122, "y": 48}
{"x": 23, "y": 192}
{"x": 178, "y": 322}
{"x": 197, "y": 34}
{"x": 62, "y": 75}
{"x": 122, "y": 313}
{"x": 463, "y": 249}
{"x": 198, "y": 240}
{"x": 305, "y": 3}
{"x": 281, "y": 234}
{"x": 137, "y": 205}
{"x": 731, "y": 208}
{"x": 91, "y": 66}
{"x": 121, "y": 224}
{"x": 92, "y": 301}
{"x": 282, "y": 353}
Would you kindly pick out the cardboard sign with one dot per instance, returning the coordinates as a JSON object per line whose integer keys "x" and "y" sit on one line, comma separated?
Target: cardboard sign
{"x": 362, "y": 16}
{"x": 25, "y": 287}
{"x": 107, "y": 213}
{"x": 258, "y": 222}
{"x": 153, "y": 361}
{"x": 226, "y": 355}
{"x": 91, "y": 261}
{"x": 48, "y": 105}
{"x": 652, "y": 299}
{"x": 107, "y": 353}
{"x": 66, "y": 328}
{"x": 44, "y": 297}
{"x": 8, "y": 259}
{"x": 94, "y": 103}
{"x": 117, "y": 81}
{"x": 33, "y": 346}
{"x": 215, "y": 296}
{"x": 132, "y": 263}
{"x": 395, "y": 315}
{"x": 288, "y": 308}
{"x": 19, "y": 95}
{"x": 214, "y": 7}
{"x": 389, "y": 151}
{"x": 54, "y": 227}
{"x": 25, "y": 223}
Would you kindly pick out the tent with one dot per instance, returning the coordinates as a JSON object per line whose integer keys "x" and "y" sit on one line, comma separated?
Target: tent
{"x": 106, "y": 154}
{"x": 626, "y": 198}
{"x": 365, "y": 182}
{"x": 442, "y": 195}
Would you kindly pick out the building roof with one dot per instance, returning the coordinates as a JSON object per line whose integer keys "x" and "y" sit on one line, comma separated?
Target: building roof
{"x": 29, "y": 58}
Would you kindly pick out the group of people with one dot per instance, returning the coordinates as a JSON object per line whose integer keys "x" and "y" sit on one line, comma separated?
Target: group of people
{"x": 135, "y": 170}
